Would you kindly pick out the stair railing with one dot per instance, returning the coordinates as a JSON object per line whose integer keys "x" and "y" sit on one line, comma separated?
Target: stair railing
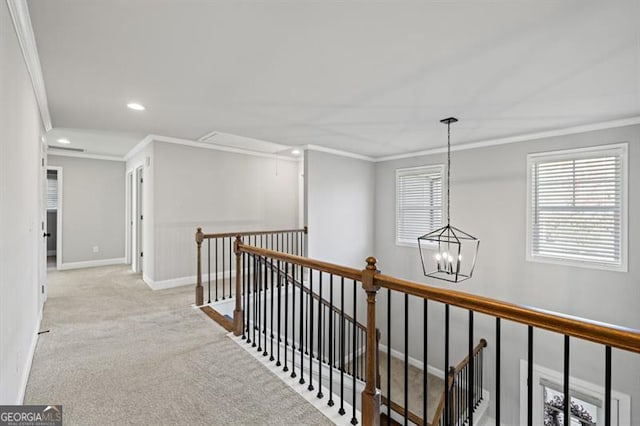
{"x": 303, "y": 315}
{"x": 458, "y": 379}
{"x": 611, "y": 337}
{"x": 218, "y": 270}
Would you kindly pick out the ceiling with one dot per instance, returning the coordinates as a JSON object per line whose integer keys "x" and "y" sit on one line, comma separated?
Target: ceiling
{"x": 367, "y": 77}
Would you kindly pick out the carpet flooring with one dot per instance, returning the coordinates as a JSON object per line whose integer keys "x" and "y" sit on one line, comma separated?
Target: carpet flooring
{"x": 119, "y": 353}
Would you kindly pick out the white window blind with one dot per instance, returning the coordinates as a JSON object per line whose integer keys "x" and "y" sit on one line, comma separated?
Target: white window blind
{"x": 418, "y": 202}
{"x": 52, "y": 193}
{"x": 577, "y": 205}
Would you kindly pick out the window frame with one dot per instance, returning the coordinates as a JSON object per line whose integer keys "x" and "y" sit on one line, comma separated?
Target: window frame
{"x": 440, "y": 168}
{"x": 577, "y": 153}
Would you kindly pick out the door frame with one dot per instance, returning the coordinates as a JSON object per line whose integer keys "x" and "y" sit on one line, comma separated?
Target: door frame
{"x": 59, "y": 212}
{"x": 139, "y": 178}
{"x": 128, "y": 217}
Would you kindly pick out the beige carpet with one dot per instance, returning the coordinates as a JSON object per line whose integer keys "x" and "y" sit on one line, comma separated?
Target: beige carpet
{"x": 120, "y": 353}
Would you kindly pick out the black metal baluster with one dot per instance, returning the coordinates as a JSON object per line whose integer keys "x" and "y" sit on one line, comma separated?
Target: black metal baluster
{"x": 311, "y": 303}
{"x": 230, "y": 267}
{"x": 271, "y": 333}
{"x": 286, "y": 314}
{"x": 320, "y": 324}
{"x": 223, "y": 274}
{"x": 306, "y": 322}
{"x": 406, "y": 359}
{"x": 279, "y": 339}
{"x": 567, "y": 396}
{"x": 446, "y": 365}
{"x": 425, "y": 357}
{"x": 470, "y": 385}
{"x": 530, "y": 377}
{"x": 354, "y": 420}
{"x": 253, "y": 300}
{"x": 389, "y": 357}
{"x": 498, "y": 371}
{"x": 301, "y": 381}
{"x": 330, "y": 402}
{"x": 341, "y": 411}
{"x": 264, "y": 306}
{"x": 259, "y": 306}
{"x": 607, "y": 386}
{"x": 209, "y": 269}
{"x": 244, "y": 295}
{"x": 293, "y": 320}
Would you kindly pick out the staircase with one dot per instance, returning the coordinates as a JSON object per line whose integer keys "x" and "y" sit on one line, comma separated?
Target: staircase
{"x": 301, "y": 317}
{"x": 301, "y": 320}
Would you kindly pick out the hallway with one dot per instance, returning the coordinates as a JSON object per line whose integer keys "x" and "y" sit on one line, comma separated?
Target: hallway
{"x": 119, "y": 353}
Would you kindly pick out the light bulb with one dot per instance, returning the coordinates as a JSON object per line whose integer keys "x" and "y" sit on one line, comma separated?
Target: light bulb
{"x": 438, "y": 257}
{"x": 460, "y": 257}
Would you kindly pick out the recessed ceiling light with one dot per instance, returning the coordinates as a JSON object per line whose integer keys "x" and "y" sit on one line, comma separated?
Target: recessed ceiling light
{"x": 64, "y": 141}
{"x": 135, "y": 106}
{"x": 296, "y": 152}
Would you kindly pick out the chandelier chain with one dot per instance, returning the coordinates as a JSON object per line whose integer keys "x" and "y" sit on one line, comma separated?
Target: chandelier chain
{"x": 448, "y": 172}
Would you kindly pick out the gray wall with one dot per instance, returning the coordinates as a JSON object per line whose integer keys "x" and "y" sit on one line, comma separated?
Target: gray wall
{"x": 93, "y": 211}
{"x": 219, "y": 191}
{"x": 21, "y": 207}
{"x": 489, "y": 201}
{"x": 339, "y": 208}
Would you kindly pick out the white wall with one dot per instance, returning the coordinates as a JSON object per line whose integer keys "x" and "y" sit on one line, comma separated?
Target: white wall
{"x": 93, "y": 213}
{"x": 21, "y": 239}
{"x": 489, "y": 201}
{"x": 219, "y": 191}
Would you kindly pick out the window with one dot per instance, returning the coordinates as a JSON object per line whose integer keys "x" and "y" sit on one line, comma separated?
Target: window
{"x": 587, "y": 400}
{"x": 418, "y": 202}
{"x": 577, "y": 207}
{"x": 52, "y": 191}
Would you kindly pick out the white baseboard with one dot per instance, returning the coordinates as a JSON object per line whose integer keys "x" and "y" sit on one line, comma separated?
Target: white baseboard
{"x": 414, "y": 362}
{"x": 92, "y": 263}
{"x": 182, "y": 281}
{"x": 27, "y": 369}
{"x": 164, "y": 284}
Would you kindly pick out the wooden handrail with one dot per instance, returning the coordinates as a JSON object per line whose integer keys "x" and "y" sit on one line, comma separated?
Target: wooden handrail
{"x": 413, "y": 417}
{"x": 594, "y": 331}
{"x": 438, "y": 413}
{"x": 481, "y": 345}
{"x": 248, "y": 233}
{"x": 343, "y": 271}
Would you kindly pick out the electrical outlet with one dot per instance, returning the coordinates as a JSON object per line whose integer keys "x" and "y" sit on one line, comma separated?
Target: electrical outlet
{"x": 96, "y": 249}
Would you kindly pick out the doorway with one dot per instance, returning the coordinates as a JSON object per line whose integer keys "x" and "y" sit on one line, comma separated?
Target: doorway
{"x": 54, "y": 217}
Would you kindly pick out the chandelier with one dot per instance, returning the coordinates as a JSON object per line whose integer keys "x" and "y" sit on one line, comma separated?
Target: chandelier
{"x": 448, "y": 253}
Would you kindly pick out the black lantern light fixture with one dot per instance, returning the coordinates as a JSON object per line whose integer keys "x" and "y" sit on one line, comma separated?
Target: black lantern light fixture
{"x": 448, "y": 253}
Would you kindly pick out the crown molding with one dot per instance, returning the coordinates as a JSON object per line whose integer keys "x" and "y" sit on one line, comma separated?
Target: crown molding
{"x": 62, "y": 153}
{"x": 521, "y": 138}
{"x": 337, "y": 152}
{"x": 19, "y": 11}
{"x": 187, "y": 142}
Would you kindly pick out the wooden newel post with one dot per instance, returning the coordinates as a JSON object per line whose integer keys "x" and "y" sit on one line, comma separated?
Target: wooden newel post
{"x": 199, "y": 288}
{"x": 371, "y": 394}
{"x": 238, "y": 315}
